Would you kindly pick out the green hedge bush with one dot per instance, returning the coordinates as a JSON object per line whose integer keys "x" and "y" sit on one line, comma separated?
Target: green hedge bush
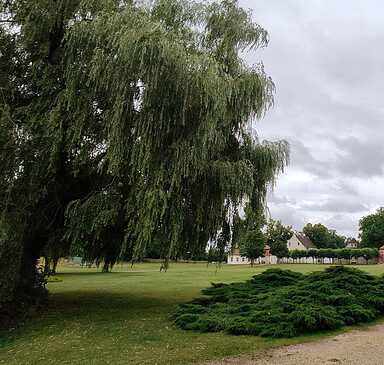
{"x": 282, "y": 303}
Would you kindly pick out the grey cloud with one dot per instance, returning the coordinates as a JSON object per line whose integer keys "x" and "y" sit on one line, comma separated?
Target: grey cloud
{"x": 289, "y": 216}
{"x": 279, "y": 200}
{"x": 360, "y": 158}
{"x": 348, "y": 157}
{"x": 302, "y": 157}
{"x": 336, "y": 205}
{"x": 343, "y": 187}
{"x": 343, "y": 223}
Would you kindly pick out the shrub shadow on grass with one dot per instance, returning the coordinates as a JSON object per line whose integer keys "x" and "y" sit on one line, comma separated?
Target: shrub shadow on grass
{"x": 93, "y": 273}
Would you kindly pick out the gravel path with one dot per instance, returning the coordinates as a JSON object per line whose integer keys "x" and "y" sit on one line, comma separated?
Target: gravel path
{"x": 356, "y": 347}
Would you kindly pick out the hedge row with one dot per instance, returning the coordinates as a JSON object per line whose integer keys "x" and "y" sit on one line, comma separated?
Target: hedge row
{"x": 344, "y": 253}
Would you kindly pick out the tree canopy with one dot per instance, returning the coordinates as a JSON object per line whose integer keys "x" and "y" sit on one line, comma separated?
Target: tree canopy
{"x": 125, "y": 123}
{"x": 277, "y": 236}
{"x": 318, "y": 234}
{"x": 336, "y": 241}
{"x": 279, "y": 249}
{"x": 371, "y": 229}
{"x": 323, "y": 237}
{"x": 275, "y": 231}
{"x": 252, "y": 245}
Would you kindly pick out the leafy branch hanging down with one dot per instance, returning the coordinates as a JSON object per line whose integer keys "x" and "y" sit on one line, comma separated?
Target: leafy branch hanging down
{"x": 125, "y": 129}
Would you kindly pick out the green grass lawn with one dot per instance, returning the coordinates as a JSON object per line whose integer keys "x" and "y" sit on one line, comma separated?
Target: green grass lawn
{"x": 124, "y": 317}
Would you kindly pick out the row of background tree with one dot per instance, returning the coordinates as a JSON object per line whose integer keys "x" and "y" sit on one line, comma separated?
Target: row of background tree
{"x": 339, "y": 254}
{"x": 371, "y": 234}
{"x": 252, "y": 241}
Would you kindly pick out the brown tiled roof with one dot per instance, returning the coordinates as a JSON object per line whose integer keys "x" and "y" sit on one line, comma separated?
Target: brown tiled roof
{"x": 305, "y": 241}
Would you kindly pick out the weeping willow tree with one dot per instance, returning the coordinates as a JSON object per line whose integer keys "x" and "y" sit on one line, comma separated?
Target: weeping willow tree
{"x": 125, "y": 123}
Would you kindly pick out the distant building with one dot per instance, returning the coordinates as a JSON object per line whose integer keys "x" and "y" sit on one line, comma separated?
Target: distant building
{"x": 234, "y": 257}
{"x": 300, "y": 242}
{"x": 380, "y": 259}
{"x": 351, "y": 243}
{"x": 296, "y": 242}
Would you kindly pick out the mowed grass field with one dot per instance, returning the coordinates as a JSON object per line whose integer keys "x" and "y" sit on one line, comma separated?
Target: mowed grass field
{"x": 125, "y": 317}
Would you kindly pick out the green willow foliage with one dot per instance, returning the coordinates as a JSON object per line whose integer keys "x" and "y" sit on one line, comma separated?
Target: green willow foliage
{"x": 282, "y": 303}
{"x": 124, "y": 123}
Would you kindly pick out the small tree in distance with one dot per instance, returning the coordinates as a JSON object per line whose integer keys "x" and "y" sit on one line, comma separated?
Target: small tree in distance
{"x": 252, "y": 245}
{"x": 277, "y": 232}
{"x": 369, "y": 253}
{"x": 277, "y": 237}
{"x": 296, "y": 254}
{"x": 279, "y": 249}
{"x": 318, "y": 234}
{"x": 346, "y": 254}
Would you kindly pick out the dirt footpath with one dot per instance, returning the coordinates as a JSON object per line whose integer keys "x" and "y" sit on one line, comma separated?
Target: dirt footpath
{"x": 356, "y": 347}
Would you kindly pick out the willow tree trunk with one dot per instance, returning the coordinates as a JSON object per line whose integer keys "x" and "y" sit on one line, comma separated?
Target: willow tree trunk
{"x": 54, "y": 266}
{"x": 47, "y": 265}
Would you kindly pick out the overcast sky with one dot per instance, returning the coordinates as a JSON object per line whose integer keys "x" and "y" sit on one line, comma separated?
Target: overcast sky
{"x": 326, "y": 58}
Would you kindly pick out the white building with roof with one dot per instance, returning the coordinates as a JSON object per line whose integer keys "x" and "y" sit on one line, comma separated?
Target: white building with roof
{"x": 351, "y": 243}
{"x": 300, "y": 242}
{"x": 234, "y": 257}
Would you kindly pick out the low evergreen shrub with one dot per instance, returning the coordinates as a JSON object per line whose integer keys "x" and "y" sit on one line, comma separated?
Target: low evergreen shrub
{"x": 282, "y": 303}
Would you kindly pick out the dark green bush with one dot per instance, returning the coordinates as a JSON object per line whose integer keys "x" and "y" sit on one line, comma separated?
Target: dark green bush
{"x": 282, "y": 303}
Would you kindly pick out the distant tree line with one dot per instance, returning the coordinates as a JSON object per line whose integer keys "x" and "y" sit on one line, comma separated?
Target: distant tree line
{"x": 323, "y": 237}
{"x": 339, "y": 254}
{"x": 276, "y": 236}
{"x": 248, "y": 235}
{"x": 330, "y": 245}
